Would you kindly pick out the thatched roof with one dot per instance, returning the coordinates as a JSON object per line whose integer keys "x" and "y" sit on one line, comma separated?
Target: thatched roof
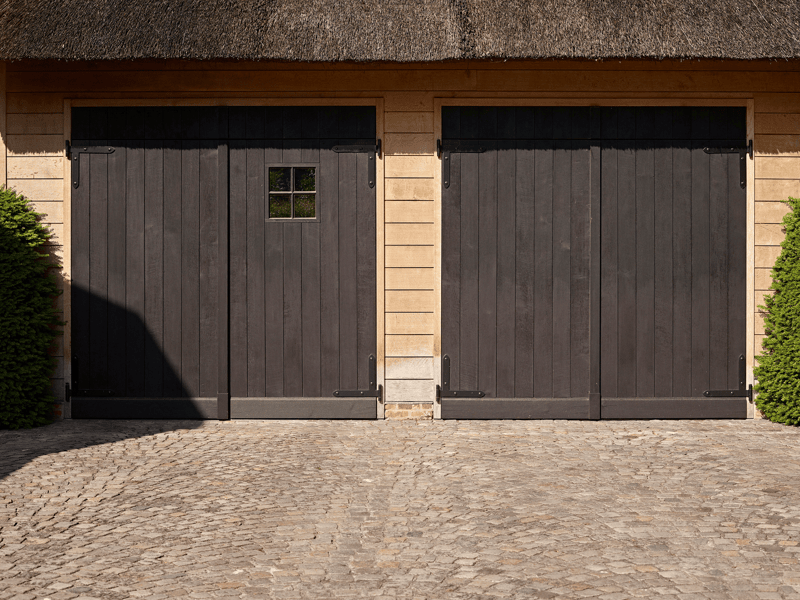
{"x": 398, "y": 30}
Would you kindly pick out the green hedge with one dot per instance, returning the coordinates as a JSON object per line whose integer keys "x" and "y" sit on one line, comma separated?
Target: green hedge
{"x": 778, "y": 370}
{"x": 28, "y": 318}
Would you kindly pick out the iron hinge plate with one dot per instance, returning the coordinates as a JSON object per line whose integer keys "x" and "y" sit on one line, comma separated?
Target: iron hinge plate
{"x": 446, "y": 148}
{"x": 374, "y": 391}
{"x": 74, "y": 155}
{"x": 373, "y": 153}
{"x": 444, "y": 391}
{"x": 742, "y": 151}
{"x": 744, "y": 391}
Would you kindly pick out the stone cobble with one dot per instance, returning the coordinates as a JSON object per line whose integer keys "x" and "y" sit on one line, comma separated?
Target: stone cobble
{"x": 400, "y": 509}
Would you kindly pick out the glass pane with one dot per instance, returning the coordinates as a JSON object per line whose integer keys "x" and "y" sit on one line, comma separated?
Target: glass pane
{"x": 280, "y": 206}
{"x": 305, "y": 205}
{"x": 280, "y": 179}
{"x": 305, "y": 179}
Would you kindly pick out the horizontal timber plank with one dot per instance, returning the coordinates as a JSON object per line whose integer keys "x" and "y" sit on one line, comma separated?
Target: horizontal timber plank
{"x": 777, "y": 123}
{"x": 144, "y": 408}
{"x": 409, "y": 368}
{"x": 39, "y": 189}
{"x": 777, "y": 168}
{"x": 410, "y": 166}
{"x": 760, "y": 296}
{"x": 410, "y": 189}
{"x": 37, "y": 145}
{"x": 37, "y": 102}
{"x": 35, "y": 123}
{"x": 303, "y": 408}
{"x": 408, "y": 143}
{"x": 57, "y": 234}
{"x": 769, "y": 145}
{"x": 763, "y": 279}
{"x": 515, "y": 408}
{"x": 409, "y": 345}
{"x": 35, "y": 167}
{"x": 409, "y": 300}
{"x": 408, "y": 122}
{"x": 409, "y": 278}
{"x": 776, "y": 189}
{"x": 53, "y": 211}
{"x": 776, "y": 103}
{"x": 673, "y": 408}
{"x": 769, "y": 234}
{"x": 759, "y": 325}
{"x": 408, "y": 211}
{"x": 409, "y": 234}
{"x": 771, "y": 212}
{"x": 765, "y": 256}
{"x": 410, "y": 390}
{"x": 410, "y": 323}
{"x": 409, "y": 256}
{"x": 242, "y": 81}
{"x": 408, "y": 101}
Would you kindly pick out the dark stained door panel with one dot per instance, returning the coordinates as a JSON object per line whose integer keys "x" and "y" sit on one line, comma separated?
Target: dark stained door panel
{"x": 593, "y": 261}
{"x": 189, "y": 299}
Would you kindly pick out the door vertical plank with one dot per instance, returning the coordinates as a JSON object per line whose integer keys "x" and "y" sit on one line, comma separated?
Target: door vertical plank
{"x": 273, "y": 309}
{"x": 366, "y": 265}
{"x": 595, "y": 245}
{"x": 348, "y": 273}
{"x": 543, "y": 270}
{"x": 120, "y": 342}
{"x": 173, "y": 208}
{"x": 328, "y": 201}
{"x": 238, "y": 267}
{"x": 154, "y": 267}
{"x": 190, "y": 265}
{"x": 682, "y": 267}
{"x": 645, "y": 269}
{"x": 470, "y": 231}
{"x": 134, "y": 270}
{"x": 700, "y": 269}
{"x": 81, "y": 270}
{"x": 626, "y": 275}
{"x": 96, "y": 376}
{"x": 487, "y": 273}
{"x": 209, "y": 268}
{"x": 292, "y": 309}
{"x": 718, "y": 271}
{"x": 737, "y": 268}
{"x": 256, "y": 213}
{"x": 524, "y": 269}
{"x": 662, "y": 286}
{"x": 609, "y": 272}
{"x": 451, "y": 268}
{"x": 310, "y": 254}
{"x": 580, "y": 267}
{"x": 562, "y": 257}
{"x": 506, "y": 268}
{"x": 223, "y": 280}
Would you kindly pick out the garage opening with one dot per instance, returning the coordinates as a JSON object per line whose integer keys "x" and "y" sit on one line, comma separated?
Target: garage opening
{"x": 593, "y": 262}
{"x": 223, "y": 262}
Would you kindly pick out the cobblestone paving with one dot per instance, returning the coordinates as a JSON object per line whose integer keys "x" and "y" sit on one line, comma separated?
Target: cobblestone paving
{"x": 92, "y": 509}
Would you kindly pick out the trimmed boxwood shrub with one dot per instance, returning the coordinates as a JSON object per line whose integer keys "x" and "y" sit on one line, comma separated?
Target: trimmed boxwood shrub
{"x": 28, "y": 318}
{"x": 778, "y": 370}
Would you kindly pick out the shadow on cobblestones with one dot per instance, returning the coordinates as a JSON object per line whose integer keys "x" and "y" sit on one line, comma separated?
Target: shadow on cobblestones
{"x": 19, "y": 447}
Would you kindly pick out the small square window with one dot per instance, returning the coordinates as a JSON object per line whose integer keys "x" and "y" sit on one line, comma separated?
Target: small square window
{"x": 292, "y": 192}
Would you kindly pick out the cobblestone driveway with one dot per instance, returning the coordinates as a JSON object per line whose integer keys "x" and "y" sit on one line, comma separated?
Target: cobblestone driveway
{"x": 400, "y": 509}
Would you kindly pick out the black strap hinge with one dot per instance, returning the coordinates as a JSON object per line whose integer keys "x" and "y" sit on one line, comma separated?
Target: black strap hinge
{"x": 74, "y": 155}
{"x": 374, "y": 391}
{"x": 373, "y": 153}
{"x": 444, "y": 391}
{"x": 444, "y": 149}
{"x": 742, "y": 151}
{"x": 744, "y": 391}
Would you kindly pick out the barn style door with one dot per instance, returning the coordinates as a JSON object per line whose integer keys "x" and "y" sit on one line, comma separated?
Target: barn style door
{"x": 223, "y": 262}
{"x": 593, "y": 262}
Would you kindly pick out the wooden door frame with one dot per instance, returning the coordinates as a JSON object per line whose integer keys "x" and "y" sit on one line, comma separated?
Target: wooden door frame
{"x": 737, "y": 100}
{"x": 377, "y": 102}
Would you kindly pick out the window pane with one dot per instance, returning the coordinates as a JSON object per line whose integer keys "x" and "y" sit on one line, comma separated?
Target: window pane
{"x": 280, "y": 179}
{"x": 305, "y": 205}
{"x": 305, "y": 179}
{"x": 280, "y": 206}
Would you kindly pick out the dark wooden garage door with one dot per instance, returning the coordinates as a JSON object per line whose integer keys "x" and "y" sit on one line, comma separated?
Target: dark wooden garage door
{"x": 592, "y": 257}
{"x": 189, "y": 297}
